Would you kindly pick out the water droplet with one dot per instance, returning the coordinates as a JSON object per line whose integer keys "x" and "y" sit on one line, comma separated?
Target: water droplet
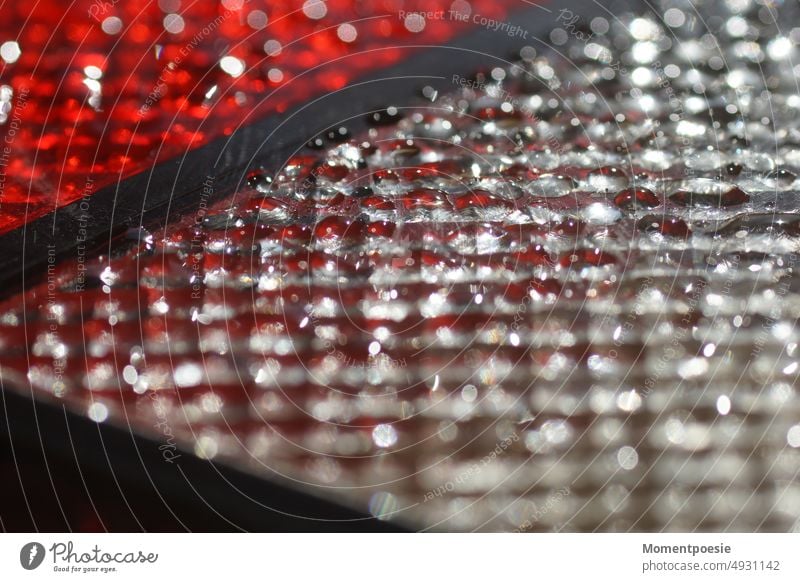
{"x": 733, "y": 169}
{"x": 551, "y": 186}
{"x": 97, "y": 412}
{"x": 780, "y": 178}
{"x": 793, "y": 436}
{"x": 383, "y": 505}
{"x": 469, "y": 393}
{"x": 259, "y": 180}
{"x": 483, "y": 204}
{"x": 338, "y": 230}
{"x": 384, "y": 436}
{"x": 607, "y": 179}
{"x": 708, "y": 193}
{"x": 628, "y": 458}
{"x": 272, "y": 209}
{"x": 425, "y": 199}
{"x": 665, "y": 225}
{"x": 600, "y": 213}
{"x": 633, "y": 198}
{"x": 587, "y": 257}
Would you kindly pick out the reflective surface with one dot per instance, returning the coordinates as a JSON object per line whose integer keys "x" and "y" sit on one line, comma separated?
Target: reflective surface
{"x": 94, "y": 90}
{"x": 560, "y": 297}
